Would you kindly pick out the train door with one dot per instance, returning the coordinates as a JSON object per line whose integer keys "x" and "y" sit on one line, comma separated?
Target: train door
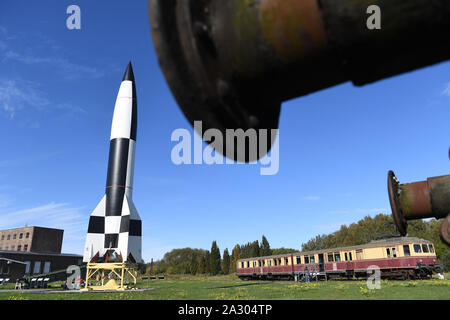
{"x": 359, "y": 255}
{"x": 321, "y": 263}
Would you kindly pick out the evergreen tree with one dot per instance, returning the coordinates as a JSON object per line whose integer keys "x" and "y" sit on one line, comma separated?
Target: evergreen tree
{"x": 194, "y": 264}
{"x": 214, "y": 260}
{"x": 254, "y": 249}
{"x": 207, "y": 262}
{"x": 151, "y": 267}
{"x": 226, "y": 262}
{"x": 202, "y": 265}
{"x": 236, "y": 254}
{"x": 265, "y": 247}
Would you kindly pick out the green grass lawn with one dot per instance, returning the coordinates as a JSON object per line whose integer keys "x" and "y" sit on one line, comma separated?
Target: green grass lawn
{"x": 205, "y": 288}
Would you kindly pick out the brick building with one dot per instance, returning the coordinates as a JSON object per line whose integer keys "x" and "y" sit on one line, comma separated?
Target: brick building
{"x": 32, "y": 239}
{"x": 33, "y": 250}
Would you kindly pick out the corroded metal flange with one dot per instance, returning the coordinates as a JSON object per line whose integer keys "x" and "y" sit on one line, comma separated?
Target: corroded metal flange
{"x": 393, "y": 191}
{"x": 418, "y": 200}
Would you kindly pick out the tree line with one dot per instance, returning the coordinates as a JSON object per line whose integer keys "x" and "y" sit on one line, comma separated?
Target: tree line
{"x": 199, "y": 261}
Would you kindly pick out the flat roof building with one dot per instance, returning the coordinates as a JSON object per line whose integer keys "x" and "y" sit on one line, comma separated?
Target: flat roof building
{"x": 33, "y": 250}
{"x": 32, "y": 239}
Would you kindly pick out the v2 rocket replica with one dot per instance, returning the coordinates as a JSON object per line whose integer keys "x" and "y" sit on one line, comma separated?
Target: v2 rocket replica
{"x": 115, "y": 225}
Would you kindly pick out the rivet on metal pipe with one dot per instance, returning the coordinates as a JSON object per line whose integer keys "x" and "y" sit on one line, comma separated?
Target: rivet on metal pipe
{"x": 419, "y": 200}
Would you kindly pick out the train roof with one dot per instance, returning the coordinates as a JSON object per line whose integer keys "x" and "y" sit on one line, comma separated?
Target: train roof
{"x": 373, "y": 243}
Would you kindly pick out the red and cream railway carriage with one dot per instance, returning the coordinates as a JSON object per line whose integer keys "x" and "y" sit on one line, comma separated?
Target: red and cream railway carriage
{"x": 403, "y": 257}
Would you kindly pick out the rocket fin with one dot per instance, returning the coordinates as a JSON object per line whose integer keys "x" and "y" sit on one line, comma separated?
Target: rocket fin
{"x": 95, "y": 237}
{"x": 130, "y": 240}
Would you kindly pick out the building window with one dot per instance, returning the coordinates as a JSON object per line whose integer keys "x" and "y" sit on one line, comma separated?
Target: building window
{"x": 330, "y": 257}
{"x": 5, "y": 269}
{"x": 27, "y": 266}
{"x": 431, "y": 248}
{"x": 3, "y": 237}
{"x": 8, "y": 237}
{"x": 424, "y": 248}
{"x": 37, "y": 267}
{"x": 299, "y": 259}
{"x": 47, "y": 267}
{"x": 19, "y": 247}
{"x": 27, "y": 235}
{"x": 13, "y": 247}
{"x": 14, "y": 236}
{"x": 417, "y": 248}
{"x": 406, "y": 251}
{"x": 306, "y": 259}
{"x": 25, "y": 247}
{"x": 6, "y": 248}
{"x": 21, "y": 236}
{"x": 337, "y": 256}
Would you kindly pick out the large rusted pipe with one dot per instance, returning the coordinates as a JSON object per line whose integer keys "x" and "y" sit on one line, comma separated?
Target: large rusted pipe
{"x": 418, "y": 200}
{"x": 230, "y": 63}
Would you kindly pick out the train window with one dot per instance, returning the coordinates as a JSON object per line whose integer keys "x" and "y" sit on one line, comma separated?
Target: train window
{"x": 350, "y": 256}
{"x": 417, "y": 248}
{"x": 424, "y": 248}
{"x": 406, "y": 251}
{"x": 312, "y": 259}
{"x": 330, "y": 257}
{"x": 306, "y": 259}
{"x": 388, "y": 252}
{"x": 394, "y": 252}
{"x": 248, "y": 264}
{"x": 337, "y": 256}
{"x": 254, "y": 264}
{"x": 299, "y": 260}
{"x": 279, "y": 261}
{"x": 345, "y": 256}
{"x": 286, "y": 261}
{"x": 431, "y": 248}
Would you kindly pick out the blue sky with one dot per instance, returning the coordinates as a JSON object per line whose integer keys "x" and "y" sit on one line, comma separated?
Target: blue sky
{"x": 57, "y": 93}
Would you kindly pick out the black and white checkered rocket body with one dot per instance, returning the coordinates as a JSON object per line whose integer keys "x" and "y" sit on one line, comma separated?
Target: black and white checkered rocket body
{"x": 115, "y": 222}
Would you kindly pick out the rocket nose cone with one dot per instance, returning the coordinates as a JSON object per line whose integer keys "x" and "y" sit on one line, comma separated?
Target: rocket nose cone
{"x": 128, "y": 73}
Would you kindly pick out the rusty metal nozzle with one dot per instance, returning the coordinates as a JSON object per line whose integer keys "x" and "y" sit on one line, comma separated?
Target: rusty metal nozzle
{"x": 418, "y": 200}
{"x": 231, "y": 63}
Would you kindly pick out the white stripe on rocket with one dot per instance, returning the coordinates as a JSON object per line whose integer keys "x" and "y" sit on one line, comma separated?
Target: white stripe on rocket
{"x": 123, "y": 111}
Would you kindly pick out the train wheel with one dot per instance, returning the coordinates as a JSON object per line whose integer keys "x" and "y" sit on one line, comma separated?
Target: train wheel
{"x": 404, "y": 275}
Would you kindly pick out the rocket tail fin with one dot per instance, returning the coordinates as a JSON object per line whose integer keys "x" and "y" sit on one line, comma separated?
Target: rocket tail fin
{"x": 96, "y": 232}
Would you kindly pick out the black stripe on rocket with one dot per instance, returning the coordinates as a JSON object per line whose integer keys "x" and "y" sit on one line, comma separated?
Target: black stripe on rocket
{"x": 129, "y": 76}
{"x": 117, "y": 175}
